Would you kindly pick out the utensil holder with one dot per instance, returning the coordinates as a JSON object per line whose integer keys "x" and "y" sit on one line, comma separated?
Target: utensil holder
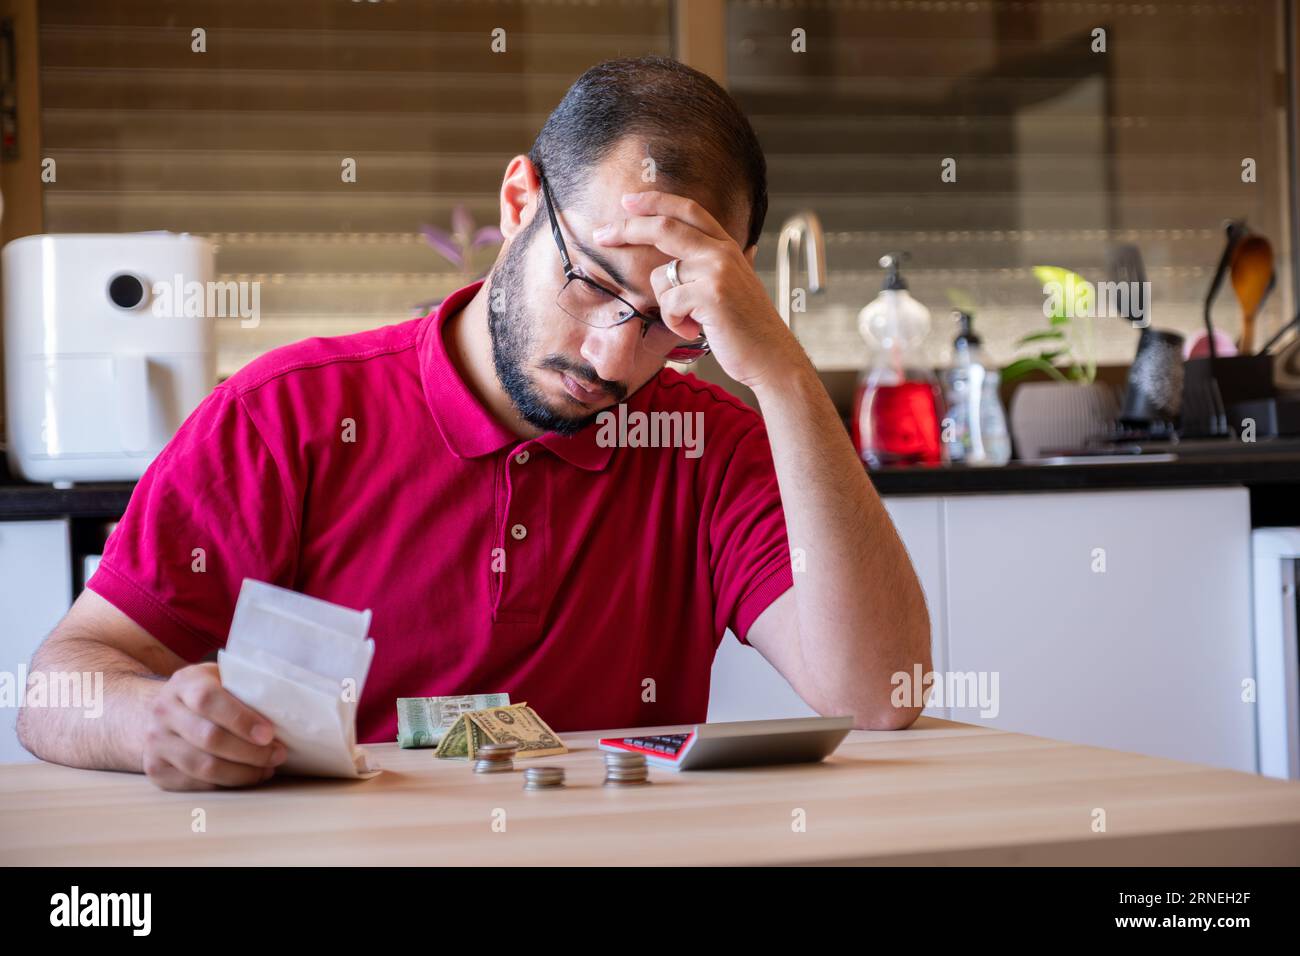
{"x": 1212, "y": 387}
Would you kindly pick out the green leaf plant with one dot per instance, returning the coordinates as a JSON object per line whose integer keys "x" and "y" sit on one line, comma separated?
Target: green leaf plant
{"x": 1065, "y": 349}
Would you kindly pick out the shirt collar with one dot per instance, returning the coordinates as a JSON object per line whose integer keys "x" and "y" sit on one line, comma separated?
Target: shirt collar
{"x": 467, "y": 427}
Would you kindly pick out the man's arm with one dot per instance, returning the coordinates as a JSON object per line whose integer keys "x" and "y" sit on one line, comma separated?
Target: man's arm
{"x": 161, "y": 717}
{"x": 856, "y": 614}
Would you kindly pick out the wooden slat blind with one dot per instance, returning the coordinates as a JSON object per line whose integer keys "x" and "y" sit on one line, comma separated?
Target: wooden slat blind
{"x": 1061, "y": 152}
{"x": 244, "y": 143}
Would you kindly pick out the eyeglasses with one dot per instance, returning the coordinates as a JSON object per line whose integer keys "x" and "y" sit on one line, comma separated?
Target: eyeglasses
{"x": 590, "y": 303}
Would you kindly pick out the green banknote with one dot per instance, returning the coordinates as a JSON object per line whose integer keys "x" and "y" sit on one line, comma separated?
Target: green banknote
{"x": 422, "y": 721}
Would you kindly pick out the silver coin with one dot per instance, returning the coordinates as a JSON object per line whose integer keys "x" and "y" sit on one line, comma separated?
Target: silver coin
{"x": 494, "y": 766}
{"x": 624, "y": 758}
{"x": 545, "y": 773}
{"x": 498, "y": 748}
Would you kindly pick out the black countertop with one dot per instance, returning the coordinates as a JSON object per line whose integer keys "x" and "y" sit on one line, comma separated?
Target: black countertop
{"x": 1256, "y": 467}
{"x": 1271, "y": 468}
{"x": 19, "y": 499}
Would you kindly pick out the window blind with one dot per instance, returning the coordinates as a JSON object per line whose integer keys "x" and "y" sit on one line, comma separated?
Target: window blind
{"x": 244, "y": 143}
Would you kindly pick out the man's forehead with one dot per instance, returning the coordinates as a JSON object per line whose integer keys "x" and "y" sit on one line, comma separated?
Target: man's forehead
{"x": 626, "y": 171}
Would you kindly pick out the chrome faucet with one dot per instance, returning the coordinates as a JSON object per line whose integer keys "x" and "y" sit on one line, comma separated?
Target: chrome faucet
{"x": 802, "y": 230}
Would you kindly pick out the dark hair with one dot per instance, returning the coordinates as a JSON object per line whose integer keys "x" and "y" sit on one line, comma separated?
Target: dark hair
{"x": 694, "y": 130}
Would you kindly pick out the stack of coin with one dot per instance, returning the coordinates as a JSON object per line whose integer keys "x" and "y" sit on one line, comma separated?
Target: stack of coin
{"x": 544, "y": 778}
{"x": 625, "y": 769}
{"x": 495, "y": 758}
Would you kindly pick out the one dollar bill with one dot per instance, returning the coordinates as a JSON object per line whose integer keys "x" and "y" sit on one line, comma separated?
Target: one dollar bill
{"x": 422, "y": 721}
{"x": 514, "y": 724}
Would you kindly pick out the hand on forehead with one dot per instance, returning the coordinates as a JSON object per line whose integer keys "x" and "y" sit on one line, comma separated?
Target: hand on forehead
{"x": 634, "y": 226}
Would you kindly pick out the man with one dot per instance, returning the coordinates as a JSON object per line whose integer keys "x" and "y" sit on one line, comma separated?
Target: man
{"x": 455, "y": 474}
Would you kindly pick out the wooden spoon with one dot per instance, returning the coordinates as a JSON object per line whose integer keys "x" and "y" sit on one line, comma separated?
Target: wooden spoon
{"x": 1252, "y": 278}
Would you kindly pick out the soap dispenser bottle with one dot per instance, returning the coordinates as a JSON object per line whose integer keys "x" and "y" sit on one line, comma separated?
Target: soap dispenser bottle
{"x": 975, "y": 426}
{"x": 896, "y": 406}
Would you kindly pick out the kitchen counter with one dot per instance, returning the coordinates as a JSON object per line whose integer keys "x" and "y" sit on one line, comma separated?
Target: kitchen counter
{"x": 1258, "y": 466}
{"x": 21, "y": 500}
{"x": 1271, "y": 471}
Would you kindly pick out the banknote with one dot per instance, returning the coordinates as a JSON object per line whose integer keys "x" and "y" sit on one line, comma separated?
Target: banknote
{"x": 515, "y": 723}
{"x": 518, "y": 724}
{"x": 422, "y": 721}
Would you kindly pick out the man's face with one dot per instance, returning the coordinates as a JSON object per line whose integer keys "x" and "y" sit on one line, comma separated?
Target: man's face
{"x": 558, "y": 372}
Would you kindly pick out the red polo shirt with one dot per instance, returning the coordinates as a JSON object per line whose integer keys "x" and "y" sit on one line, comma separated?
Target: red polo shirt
{"x": 362, "y": 470}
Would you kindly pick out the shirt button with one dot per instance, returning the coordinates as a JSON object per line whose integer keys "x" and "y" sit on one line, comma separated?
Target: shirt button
{"x": 519, "y": 532}
{"x": 522, "y": 457}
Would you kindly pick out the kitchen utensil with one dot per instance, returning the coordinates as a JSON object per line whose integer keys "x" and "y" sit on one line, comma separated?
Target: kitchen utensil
{"x": 1126, "y": 267}
{"x": 1252, "y": 280}
{"x": 1214, "y": 390}
{"x": 1154, "y": 393}
{"x": 1213, "y": 386}
{"x": 1286, "y": 366}
{"x": 1277, "y": 336}
{"x": 1236, "y": 231}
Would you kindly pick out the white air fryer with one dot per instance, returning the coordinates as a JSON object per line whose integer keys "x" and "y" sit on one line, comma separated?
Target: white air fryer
{"x": 102, "y": 361}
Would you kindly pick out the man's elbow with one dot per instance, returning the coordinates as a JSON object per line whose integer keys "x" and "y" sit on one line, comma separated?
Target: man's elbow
{"x": 36, "y": 727}
{"x": 28, "y": 735}
{"x": 876, "y": 713}
{"x": 887, "y": 718}
{"x": 896, "y": 706}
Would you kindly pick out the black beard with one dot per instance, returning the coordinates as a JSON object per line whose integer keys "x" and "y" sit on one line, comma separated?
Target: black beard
{"x": 511, "y": 345}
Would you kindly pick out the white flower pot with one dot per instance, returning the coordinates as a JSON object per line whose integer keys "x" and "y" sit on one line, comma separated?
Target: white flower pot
{"x": 1060, "y": 415}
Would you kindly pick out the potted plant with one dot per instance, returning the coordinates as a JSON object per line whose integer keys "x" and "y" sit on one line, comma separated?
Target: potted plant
{"x": 457, "y": 247}
{"x": 1072, "y": 407}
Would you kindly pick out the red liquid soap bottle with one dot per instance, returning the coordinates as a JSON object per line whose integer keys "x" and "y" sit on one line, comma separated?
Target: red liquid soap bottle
{"x": 896, "y": 408}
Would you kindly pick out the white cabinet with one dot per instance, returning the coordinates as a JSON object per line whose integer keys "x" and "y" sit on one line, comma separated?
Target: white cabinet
{"x": 1277, "y": 671}
{"x": 35, "y": 592}
{"x": 746, "y": 687}
{"x": 1119, "y": 619}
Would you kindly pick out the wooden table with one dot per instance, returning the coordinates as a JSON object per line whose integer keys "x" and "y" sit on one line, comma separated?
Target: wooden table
{"x": 940, "y": 792}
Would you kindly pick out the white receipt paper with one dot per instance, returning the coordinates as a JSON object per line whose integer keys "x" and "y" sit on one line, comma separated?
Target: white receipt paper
{"x": 301, "y": 662}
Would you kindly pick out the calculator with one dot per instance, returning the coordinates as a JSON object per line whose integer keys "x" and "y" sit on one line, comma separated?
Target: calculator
{"x": 740, "y": 743}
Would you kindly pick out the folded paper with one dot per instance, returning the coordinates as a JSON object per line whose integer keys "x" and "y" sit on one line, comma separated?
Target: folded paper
{"x": 302, "y": 663}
